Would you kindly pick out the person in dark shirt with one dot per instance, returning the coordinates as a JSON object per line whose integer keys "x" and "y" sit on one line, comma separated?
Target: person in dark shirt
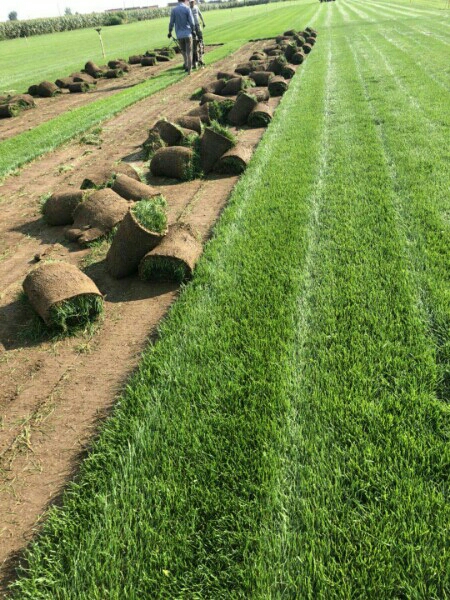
{"x": 181, "y": 17}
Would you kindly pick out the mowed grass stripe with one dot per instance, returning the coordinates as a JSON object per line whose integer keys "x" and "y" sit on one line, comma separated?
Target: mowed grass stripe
{"x": 366, "y": 516}
{"x": 177, "y": 495}
{"x": 23, "y": 148}
{"x": 419, "y": 159}
{"x": 407, "y": 8}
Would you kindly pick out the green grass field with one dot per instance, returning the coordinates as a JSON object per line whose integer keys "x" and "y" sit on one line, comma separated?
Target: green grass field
{"x": 288, "y": 435}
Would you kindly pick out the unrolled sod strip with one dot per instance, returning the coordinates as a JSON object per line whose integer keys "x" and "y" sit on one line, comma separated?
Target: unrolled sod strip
{"x": 174, "y": 259}
{"x": 57, "y": 291}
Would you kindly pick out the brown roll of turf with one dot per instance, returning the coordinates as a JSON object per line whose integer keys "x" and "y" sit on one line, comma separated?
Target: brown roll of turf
{"x": 54, "y": 282}
{"x": 135, "y": 59}
{"x": 80, "y": 87}
{"x": 213, "y": 87}
{"x": 104, "y": 173}
{"x": 152, "y": 144}
{"x": 64, "y": 82}
{"x": 33, "y": 90}
{"x": 192, "y": 123}
{"x": 312, "y": 32}
{"x": 226, "y": 75}
{"x": 261, "y": 77}
{"x": 202, "y": 112}
{"x": 129, "y": 246}
{"x": 289, "y": 32}
{"x": 244, "y": 69}
{"x": 275, "y": 52}
{"x": 212, "y": 98}
{"x": 299, "y": 40}
{"x": 93, "y": 69}
{"x": 130, "y": 189}
{"x": 288, "y": 71}
{"x": 84, "y": 78}
{"x": 175, "y": 162}
{"x": 276, "y": 65}
{"x": 289, "y": 51}
{"x": 162, "y": 58}
{"x": 268, "y": 49}
{"x": 277, "y": 86}
{"x": 260, "y": 94}
{"x": 148, "y": 61}
{"x": 24, "y": 100}
{"x": 212, "y": 146}
{"x": 47, "y": 89}
{"x": 114, "y": 73}
{"x": 282, "y": 38}
{"x": 170, "y": 133}
{"x": 174, "y": 259}
{"x": 234, "y": 86}
{"x": 116, "y": 64}
{"x": 243, "y": 106}
{"x": 235, "y": 161}
{"x": 298, "y": 58}
{"x": 306, "y": 48}
{"x": 59, "y": 208}
{"x": 96, "y": 216}
{"x": 259, "y": 67}
{"x": 257, "y": 56}
{"x": 311, "y": 41}
{"x": 260, "y": 116}
{"x": 10, "y": 109}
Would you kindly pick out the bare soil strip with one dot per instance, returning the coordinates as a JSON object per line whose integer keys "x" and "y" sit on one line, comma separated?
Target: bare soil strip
{"x": 53, "y": 394}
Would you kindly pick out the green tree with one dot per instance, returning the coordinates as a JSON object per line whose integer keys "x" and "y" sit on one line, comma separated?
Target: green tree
{"x": 67, "y": 11}
{"x": 12, "y": 15}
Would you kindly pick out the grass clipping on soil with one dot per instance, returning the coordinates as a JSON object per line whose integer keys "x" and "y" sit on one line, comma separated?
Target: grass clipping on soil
{"x": 152, "y": 214}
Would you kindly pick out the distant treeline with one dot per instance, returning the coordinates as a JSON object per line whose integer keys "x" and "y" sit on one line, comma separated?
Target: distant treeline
{"x": 15, "y": 29}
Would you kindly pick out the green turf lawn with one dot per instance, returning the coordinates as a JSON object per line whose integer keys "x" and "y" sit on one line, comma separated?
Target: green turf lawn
{"x": 288, "y": 435}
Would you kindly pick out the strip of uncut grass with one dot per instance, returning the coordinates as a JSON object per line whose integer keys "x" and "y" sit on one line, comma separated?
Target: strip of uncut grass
{"x": 23, "y": 148}
{"x": 175, "y": 498}
{"x": 28, "y": 61}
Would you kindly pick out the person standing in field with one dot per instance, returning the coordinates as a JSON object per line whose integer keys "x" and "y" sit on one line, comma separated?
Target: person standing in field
{"x": 181, "y": 17}
{"x": 199, "y": 47}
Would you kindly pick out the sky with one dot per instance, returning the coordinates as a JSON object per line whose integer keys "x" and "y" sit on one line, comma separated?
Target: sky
{"x": 34, "y": 9}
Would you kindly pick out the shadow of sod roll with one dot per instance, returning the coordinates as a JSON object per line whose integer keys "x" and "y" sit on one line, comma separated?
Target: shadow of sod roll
{"x": 62, "y": 295}
{"x": 174, "y": 259}
{"x": 96, "y": 216}
{"x": 131, "y": 243}
{"x": 235, "y": 161}
{"x": 260, "y": 116}
{"x": 243, "y": 106}
{"x": 59, "y": 208}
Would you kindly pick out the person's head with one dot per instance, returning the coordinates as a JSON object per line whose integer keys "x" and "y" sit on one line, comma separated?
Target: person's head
{"x": 192, "y": 3}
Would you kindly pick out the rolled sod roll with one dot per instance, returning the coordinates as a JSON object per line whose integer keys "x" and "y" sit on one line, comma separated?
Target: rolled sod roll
{"x": 114, "y": 73}
{"x": 268, "y": 49}
{"x": 226, "y": 75}
{"x": 135, "y": 59}
{"x": 170, "y": 133}
{"x": 260, "y": 94}
{"x": 174, "y": 259}
{"x": 33, "y": 90}
{"x": 54, "y": 284}
{"x": 152, "y": 144}
{"x": 130, "y": 244}
{"x": 311, "y": 41}
{"x": 96, "y": 216}
{"x": 59, "y": 208}
{"x": 84, "y": 78}
{"x": 192, "y": 123}
{"x": 213, "y": 87}
{"x": 289, "y": 51}
{"x": 260, "y": 116}
{"x": 64, "y": 82}
{"x": 298, "y": 58}
{"x": 282, "y": 38}
{"x": 25, "y": 100}
{"x": 235, "y": 85}
{"x": 47, "y": 89}
{"x": 80, "y": 87}
{"x": 130, "y": 189}
{"x": 202, "y": 112}
{"x": 261, "y": 77}
{"x": 277, "y": 86}
{"x": 276, "y": 65}
{"x": 288, "y": 71}
{"x": 275, "y": 52}
{"x": 10, "y": 109}
{"x": 104, "y": 174}
{"x": 175, "y": 162}
{"x": 306, "y": 48}
{"x": 235, "y": 161}
{"x": 259, "y": 67}
{"x": 312, "y": 32}
{"x": 290, "y": 32}
{"x": 94, "y": 70}
{"x": 258, "y": 56}
{"x": 244, "y": 68}
{"x": 212, "y": 146}
{"x": 299, "y": 40}
{"x": 243, "y": 106}
{"x": 148, "y": 61}
{"x": 212, "y": 98}
{"x": 119, "y": 64}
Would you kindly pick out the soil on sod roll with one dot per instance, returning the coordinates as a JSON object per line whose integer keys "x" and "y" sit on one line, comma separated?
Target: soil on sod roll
{"x": 59, "y": 208}
{"x": 97, "y": 216}
{"x": 244, "y": 69}
{"x": 277, "y": 86}
{"x": 242, "y": 108}
{"x": 104, "y": 175}
{"x": 261, "y": 77}
{"x": 212, "y": 146}
{"x": 192, "y": 123}
{"x": 56, "y": 291}
{"x": 47, "y": 89}
{"x": 213, "y": 87}
{"x": 33, "y": 90}
{"x": 260, "y": 116}
{"x": 235, "y": 161}
{"x": 24, "y": 100}
{"x": 268, "y": 49}
{"x": 175, "y": 162}
{"x": 131, "y": 243}
{"x": 174, "y": 259}
{"x": 130, "y": 189}
{"x": 258, "y": 56}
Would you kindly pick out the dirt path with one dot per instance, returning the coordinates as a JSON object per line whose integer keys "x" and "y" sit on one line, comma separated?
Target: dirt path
{"x": 53, "y": 394}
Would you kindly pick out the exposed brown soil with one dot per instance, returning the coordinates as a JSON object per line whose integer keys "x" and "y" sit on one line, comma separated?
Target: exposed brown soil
{"x": 53, "y": 394}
